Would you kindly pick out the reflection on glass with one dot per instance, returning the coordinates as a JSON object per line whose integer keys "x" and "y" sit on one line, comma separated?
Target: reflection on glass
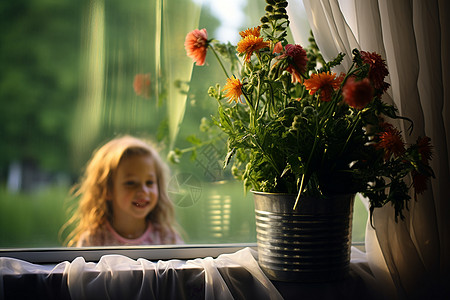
{"x": 76, "y": 74}
{"x": 219, "y": 217}
{"x": 87, "y": 124}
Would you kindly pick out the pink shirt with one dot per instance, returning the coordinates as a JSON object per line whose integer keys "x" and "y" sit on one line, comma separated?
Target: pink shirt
{"x": 109, "y": 237}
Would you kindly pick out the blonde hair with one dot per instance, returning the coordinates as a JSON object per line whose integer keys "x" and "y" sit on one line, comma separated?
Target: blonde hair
{"x": 93, "y": 209}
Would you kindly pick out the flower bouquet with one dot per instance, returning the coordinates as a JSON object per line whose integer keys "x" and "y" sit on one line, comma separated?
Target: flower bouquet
{"x": 295, "y": 126}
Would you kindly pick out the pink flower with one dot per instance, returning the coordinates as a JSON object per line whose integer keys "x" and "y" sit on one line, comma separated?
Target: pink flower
{"x": 141, "y": 85}
{"x": 298, "y": 61}
{"x": 196, "y": 45}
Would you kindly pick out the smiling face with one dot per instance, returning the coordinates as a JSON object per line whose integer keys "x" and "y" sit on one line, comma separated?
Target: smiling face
{"x": 135, "y": 193}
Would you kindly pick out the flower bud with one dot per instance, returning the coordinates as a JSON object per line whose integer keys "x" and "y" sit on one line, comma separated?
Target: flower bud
{"x": 296, "y": 123}
{"x": 212, "y": 91}
{"x": 264, "y": 19}
{"x": 173, "y": 157}
{"x": 269, "y": 8}
{"x": 278, "y": 17}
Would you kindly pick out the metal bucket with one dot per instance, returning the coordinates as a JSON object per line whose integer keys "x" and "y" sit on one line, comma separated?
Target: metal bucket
{"x": 310, "y": 244}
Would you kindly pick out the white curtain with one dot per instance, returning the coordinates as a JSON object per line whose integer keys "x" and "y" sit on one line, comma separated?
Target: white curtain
{"x": 409, "y": 259}
{"x": 229, "y": 276}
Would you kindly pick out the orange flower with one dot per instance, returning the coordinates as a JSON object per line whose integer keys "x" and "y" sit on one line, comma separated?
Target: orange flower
{"x": 250, "y": 44}
{"x": 196, "y": 45}
{"x": 278, "y": 48}
{"x": 326, "y": 82}
{"x": 296, "y": 77}
{"x": 233, "y": 89}
{"x": 357, "y": 94}
{"x": 141, "y": 85}
{"x": 391, "y": 142}
{"x": 251, "y": 31}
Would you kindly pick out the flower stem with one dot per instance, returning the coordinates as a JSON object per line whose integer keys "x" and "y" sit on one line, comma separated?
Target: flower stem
{"x": 358, "y": 118}
{"x": 219, "y": 60}
{"x": 307, "y": 164}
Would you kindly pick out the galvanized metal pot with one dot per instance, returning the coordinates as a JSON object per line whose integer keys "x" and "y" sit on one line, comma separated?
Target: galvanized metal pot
{"x": 310, "y": 244}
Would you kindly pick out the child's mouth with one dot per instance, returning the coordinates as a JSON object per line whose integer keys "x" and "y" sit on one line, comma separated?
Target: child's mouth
{"x": 141, "y": 203}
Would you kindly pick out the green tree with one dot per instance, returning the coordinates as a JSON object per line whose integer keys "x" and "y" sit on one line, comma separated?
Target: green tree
{"x": 39, "y": 48}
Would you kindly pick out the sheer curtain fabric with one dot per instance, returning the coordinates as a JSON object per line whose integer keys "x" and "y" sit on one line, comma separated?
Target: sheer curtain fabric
{"x": 409, "y": 259}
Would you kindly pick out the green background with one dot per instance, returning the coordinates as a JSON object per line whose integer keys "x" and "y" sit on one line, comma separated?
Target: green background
{"x": 44, "y": 74}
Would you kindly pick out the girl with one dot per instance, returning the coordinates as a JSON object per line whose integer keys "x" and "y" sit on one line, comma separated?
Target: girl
{"x": 123, "y": 198}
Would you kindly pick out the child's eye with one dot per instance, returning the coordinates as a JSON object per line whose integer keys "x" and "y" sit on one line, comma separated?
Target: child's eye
{"x": 130, "y": 183}
{"x": 149, "y": 182}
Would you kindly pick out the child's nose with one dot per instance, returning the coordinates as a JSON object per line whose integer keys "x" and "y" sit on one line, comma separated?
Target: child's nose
{"x": 144, "y": 188}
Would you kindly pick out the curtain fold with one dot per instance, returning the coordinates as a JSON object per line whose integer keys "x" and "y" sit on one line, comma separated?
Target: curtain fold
{"x": 229, "y": 276}
{"x": 410, "y": 258}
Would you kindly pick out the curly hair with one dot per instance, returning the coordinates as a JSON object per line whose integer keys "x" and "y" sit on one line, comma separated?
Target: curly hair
{"x": 94, "y": 211}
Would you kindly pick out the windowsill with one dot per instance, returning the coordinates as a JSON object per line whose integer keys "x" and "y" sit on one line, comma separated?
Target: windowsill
{"x": 159, "y": 252}
{"x": 93, "y": 254}
{"x": 52, "y": 281}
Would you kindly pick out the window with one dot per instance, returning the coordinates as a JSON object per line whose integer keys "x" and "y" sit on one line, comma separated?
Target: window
{"x": 66, "y": 86}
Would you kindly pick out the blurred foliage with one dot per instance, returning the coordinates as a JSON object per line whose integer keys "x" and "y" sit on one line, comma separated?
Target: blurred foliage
{"x": 39, "y": 58}
{"x": 32, "y": 220}
{"x": 42, "y": 59}
{"x": 43, "y": 45}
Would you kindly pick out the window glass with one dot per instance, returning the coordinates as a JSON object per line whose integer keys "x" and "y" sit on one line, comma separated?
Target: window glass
{"x": 66, "y": 87}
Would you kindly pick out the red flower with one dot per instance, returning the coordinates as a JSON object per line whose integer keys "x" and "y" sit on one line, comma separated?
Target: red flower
{"x": 196, "y": 45}
{"x": 298, "y": 61}
{"x": 391, "y": 141}
{"x": 385, "y": 126}
{"x": 425, "y": 149}
{"x": 141, "y": 85}
{"x": 326, "y": 82}
{"x": 419, "y": 182}
{"x": 357, "y": 94}
{"x": 377, "y": 71}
